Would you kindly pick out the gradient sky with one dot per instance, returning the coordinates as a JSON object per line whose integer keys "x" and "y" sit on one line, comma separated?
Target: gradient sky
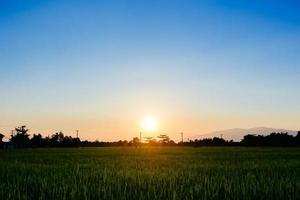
{"x": 102, "y": 66}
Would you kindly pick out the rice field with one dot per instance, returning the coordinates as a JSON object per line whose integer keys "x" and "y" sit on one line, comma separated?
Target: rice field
{"x": 150, "y": 173}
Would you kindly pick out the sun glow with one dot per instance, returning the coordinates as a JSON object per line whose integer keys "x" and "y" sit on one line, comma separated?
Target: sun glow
{"x": 149, "y": 124}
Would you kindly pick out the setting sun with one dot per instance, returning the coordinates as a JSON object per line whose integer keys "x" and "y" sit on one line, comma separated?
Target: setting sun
{"x": 150, "y": 124}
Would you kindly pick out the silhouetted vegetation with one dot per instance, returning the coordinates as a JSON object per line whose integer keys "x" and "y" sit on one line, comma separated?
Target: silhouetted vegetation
{"x": 211, "y": 142}
{"x": 165, "y": 140}
{"x": 1, "y": 138}
{"x": 59, "y": 140}
{"x": 273, "y": 139}
{"x": 21, "y": 139}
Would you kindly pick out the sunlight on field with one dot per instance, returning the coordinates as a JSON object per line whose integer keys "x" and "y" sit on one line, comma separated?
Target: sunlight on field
{"x": 150, "y": 173}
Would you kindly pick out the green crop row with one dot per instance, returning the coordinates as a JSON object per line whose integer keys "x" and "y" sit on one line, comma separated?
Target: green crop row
{"x": 150, "y": 173}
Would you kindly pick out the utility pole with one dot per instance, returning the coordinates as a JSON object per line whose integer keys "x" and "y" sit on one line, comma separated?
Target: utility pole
{"x": 140, "y": 139}
{"x": 221, "y": 136}
{"x": 12, "y": 132}
{"x": 77, "y": 131}
{"x": 182, "y": 137}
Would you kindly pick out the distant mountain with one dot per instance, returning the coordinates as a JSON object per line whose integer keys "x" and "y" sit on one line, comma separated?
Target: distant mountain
{"x": 237, "y": 134}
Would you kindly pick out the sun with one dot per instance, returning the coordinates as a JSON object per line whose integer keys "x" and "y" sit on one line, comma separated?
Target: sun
{"x": 149, "y": 124}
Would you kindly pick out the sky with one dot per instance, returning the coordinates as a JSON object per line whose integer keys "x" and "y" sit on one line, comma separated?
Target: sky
{"x": 101, "y": 67}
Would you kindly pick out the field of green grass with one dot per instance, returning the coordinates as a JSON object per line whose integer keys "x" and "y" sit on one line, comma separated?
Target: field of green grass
{"x": 150, "y": 173}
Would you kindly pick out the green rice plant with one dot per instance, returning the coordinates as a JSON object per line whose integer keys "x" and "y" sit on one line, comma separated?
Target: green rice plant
{"x": 150, "y": 173}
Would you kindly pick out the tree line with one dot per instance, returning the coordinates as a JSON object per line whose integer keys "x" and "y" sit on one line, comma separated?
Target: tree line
{"x": 21, "y": 139}
{"x": 271, "y": 140}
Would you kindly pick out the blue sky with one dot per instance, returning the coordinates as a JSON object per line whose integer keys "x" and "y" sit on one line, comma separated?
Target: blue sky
{"x": 100, "y": 66}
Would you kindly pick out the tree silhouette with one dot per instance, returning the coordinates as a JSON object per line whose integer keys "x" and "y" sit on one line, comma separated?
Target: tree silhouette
{"x": 163, "y": 139}
{"x": 298, "y": 139}
{"x": 274, "y": 139}
{"x": 151, "y": 141}
{"x": 21, "y": 138}
{"x": 135, "y": 142}
{"x": 148, "y": 139}
{"x": 56, "y": 139}
{"x": 1, "y": 138}
{"x": 37, "y": 141}
{"x": 59, "y": 140}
